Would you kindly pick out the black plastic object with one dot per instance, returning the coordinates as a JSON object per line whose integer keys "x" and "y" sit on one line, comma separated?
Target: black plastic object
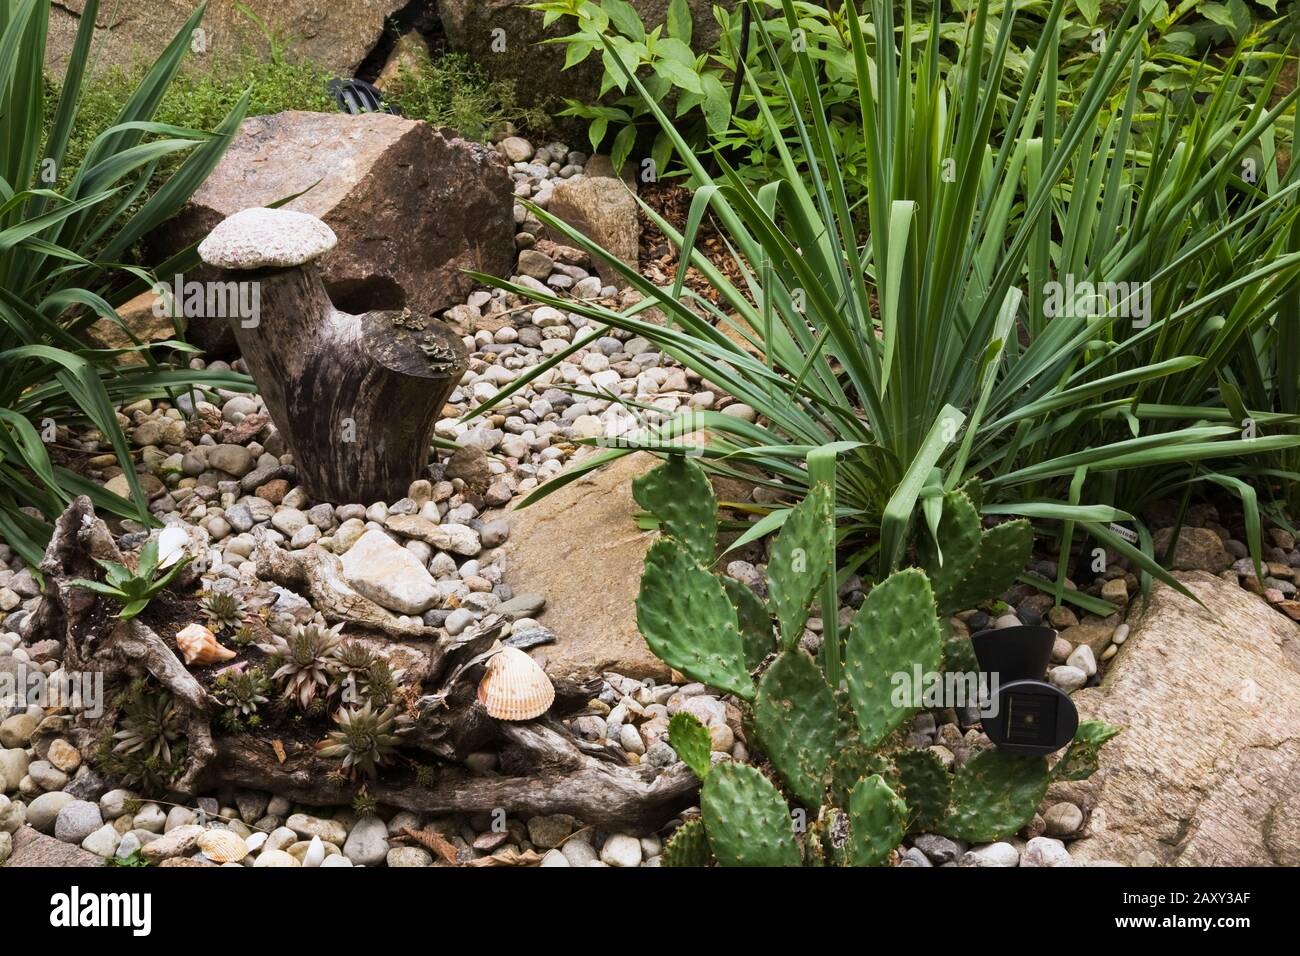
{"x": 357, "y": 96}
{"x": 1027, "y": 715}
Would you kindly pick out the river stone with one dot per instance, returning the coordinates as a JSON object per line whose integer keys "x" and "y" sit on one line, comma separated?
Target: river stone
{"x": 1208, "y": 763}
{"x": 367, "y": 844}
{"x": 391, "y": 576}
{"x": 621, "y": 850}
{"x": 175, "y": 842}
{"x": 331, "y": 831}
{"x": 604, "y": 210}
{"x": 77, "y": 820}
{"x": 1197, "y": 549}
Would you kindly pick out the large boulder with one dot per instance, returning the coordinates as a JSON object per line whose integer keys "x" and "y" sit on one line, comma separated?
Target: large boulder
{"x": 338, "y": 35}
{"x": 481, "y": 27}
{"x": 581, "y": 548}
{"x": 412, "y": 205}
{"x": 1206, "y": 769}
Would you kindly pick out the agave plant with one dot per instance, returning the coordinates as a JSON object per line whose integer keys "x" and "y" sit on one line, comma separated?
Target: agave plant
{"x": 133, "y": 590}
{"x": 917, "y": 357}
{"x": 305, "y": 661}
{"x": 364, "y": 739}
{"x": 63, "y": 234}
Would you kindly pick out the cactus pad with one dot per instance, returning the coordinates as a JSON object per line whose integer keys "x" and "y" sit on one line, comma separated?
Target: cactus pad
{"x": 691, "y": 740}
{"x": 926, "y": 788}
{"x": 688, "y": 621}
{"x": 801, "y": 556}
{"x": 755, "y": 625}
{"x": 877, "y": 819}
{"x": 1004, "y": 549}
{"x": 796, "y": 719}
{"x": 689, "y": 846}
{"x": 1079, "y": 762}
{"x": 993, "y": 795}
{"x": 678, "y": 493}
{"x": 958, "y": 546}
{"x": 894, "y": 632}
{"x": 747, "y": 820}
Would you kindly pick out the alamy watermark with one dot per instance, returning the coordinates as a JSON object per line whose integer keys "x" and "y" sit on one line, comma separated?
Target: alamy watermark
{"x": 932, "y": 690}
{"x": 1120, "y": 300}
{"x": 80, "y": 691}
{"x": 192, "y": 299}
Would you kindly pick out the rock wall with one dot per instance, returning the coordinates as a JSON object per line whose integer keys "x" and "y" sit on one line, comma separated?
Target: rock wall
{"x": 338, "y": 34}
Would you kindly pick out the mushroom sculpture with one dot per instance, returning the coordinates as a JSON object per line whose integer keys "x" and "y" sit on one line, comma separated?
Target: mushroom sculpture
{"x": 355, "y": 397}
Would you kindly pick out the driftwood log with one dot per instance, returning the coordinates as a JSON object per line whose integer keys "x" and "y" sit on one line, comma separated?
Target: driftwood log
{"x": 355, "y": 397}
{"x": 544, "y": 769}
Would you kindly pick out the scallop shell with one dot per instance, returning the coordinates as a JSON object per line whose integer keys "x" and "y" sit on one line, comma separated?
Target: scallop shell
{"x": 200, "y": 646}
{"x": 515, "y": 687}
{"x": 222, "y": 846}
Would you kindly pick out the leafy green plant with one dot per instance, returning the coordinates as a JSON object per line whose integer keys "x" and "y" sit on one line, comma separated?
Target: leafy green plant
{"x": 65, "y": 232}
{"x": 224, "y": 610}
{"x": 918, "y": 356}
{"x": 305, "y": 662}
{"x": 830, "y": 731}
{"x": 242, "y": 692}
{"x": 146, "y": 746}
{"x": 133, "y": 590}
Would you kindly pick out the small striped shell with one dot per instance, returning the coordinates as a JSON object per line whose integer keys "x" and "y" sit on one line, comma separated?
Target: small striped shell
{"x": 515, "y": 687}
{"x": 200, "y": 646}
{"x": 222, "y": 846}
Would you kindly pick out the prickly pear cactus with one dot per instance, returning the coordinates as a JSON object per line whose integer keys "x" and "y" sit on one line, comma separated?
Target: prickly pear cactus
{"x": 691, "y": 740}
{"x": 926, "y": 788}
{"x": 877, "y": 821}
{"x": 994, "y": 794}
{"x": 689, "y": 846}
{"x": 795, "y": 716}
{"x": 800, "y": 558}
{"x": 894, "y": 632}
{"x": 678, "y": 493}
{"x": 755, "y": 624}
{"x": 688, "y": 621}
{"x": 747, "y": 821}
{"x": 947, "y": 562}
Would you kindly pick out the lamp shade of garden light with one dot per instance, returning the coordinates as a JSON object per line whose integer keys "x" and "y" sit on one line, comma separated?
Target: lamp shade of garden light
{"x": 1026, "y": 715}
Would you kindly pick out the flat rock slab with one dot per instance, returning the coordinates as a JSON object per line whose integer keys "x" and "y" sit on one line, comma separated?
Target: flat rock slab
{"x": 32, "y": 848}
{"x": 580, "y": 547}
{"x": 1206, "y": 770}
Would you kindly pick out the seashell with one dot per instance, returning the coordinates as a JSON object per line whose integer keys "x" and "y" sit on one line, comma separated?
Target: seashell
{"x": 200, "y": 646}
{"x": 222, "y": 846}
{"x": 171, "y": 545}
{"x": 315, "y": 854}
{"x": 515, "y": 687}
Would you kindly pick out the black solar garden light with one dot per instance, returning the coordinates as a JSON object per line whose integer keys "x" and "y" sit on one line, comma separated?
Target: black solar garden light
{"x": 1032, "y": 716}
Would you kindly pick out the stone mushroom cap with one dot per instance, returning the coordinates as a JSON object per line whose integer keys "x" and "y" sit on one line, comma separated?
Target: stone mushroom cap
{"x": 262, "y": 238}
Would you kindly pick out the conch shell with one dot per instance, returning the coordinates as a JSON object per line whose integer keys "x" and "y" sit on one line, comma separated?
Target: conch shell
{"x": 222, "y": 846}
{"x": 515, "y": 687}
{"x": 200, "y": 646}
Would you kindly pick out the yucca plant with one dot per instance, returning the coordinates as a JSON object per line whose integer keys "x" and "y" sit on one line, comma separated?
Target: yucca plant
{"x": 62, "y": 249}
{"x": 915, "y": 354}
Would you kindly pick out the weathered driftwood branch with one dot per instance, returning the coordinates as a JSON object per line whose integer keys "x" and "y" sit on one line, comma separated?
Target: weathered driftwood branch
{"x": 544, "y": 768}
{"x": 563, "y": 779}
{"x": 354, "y": 396}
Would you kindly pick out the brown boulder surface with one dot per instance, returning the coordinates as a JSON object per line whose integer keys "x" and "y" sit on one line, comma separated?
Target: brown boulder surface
{"x": 1207, "y": 767}
{"x": 413, "y": 205}
{"x": 337, "y": 35}
{"x": 580, "y": 547}
{"x": 32, "y": 848}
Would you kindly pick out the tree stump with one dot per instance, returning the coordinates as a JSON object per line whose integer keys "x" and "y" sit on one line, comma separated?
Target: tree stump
{"x": 354, "y": 396}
